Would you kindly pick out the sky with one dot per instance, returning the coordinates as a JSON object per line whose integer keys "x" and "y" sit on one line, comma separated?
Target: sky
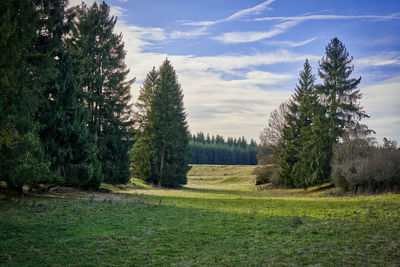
{"x": 238, "y": 60}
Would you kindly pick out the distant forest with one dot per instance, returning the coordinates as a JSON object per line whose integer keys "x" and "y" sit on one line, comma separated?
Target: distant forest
{"x": 215, "y": 150}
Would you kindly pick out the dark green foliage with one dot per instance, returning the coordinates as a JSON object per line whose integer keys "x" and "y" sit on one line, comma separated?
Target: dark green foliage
{"x": 64, "y": 132}
{"x": 27, "y": 33}
{"x": 318, "y": 117}
{"x": 294, "y": 144}
{"x": 107, "y": 90}
{"x": 144, "y": 100}
{"x": 48, "y": 80}
{"x": 339, "y": 92}
{"x": 161, "y": 155}
{"x": 339, "y": 109}
{"x": 215, "y": 150}
{"x": 360, "y": 167}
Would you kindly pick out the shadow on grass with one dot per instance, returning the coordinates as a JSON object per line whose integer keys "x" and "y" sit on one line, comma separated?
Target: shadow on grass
{"x": 56, "y": 231}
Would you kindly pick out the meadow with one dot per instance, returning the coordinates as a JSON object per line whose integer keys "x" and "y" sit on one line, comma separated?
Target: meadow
{"x": 219, "y": 218}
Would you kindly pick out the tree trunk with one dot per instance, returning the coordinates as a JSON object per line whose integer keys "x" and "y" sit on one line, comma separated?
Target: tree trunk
{"x": 162, "y": 160}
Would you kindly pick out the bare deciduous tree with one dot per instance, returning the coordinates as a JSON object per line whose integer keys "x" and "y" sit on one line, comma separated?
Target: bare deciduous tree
{"x": 273, "y": 132}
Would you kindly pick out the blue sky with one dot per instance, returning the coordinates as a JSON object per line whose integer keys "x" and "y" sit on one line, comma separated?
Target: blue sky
{"x": 238, "y": 60}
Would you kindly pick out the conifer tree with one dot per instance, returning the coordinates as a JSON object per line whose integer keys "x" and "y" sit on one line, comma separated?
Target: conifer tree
{"x": 107, "y": 88}
{"x": 165, "y": 139}
{"x": 340, "y": 108}
{"x": 64, "y": 132}
{"x": 294, "y": 148}
{"x": 26, "y": 33}
{"x": 307, "y": 102}
{"x": 141, "y": 154}
{"x": 339, "y": 92}
{"x": 145, "y": 98}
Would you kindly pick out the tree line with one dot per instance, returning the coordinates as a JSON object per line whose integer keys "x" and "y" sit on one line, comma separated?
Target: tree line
{"x": 306, "y": 134}
{"x": 65, "y": 113}
{"x": 215, "y": 150}
{"x": 66, "y": 116}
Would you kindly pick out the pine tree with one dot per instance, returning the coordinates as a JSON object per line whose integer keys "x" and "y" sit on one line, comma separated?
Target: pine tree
{"x": 64, "y": 132}
{"x": 294, "y": 147}
{"x": 107, "y": 88}
{"x": 26, "y": 34}
{"x": 340, "y": 109}
{"x": 141, "y": 153}
{"x": 145, "y": 97}
{"x": 164, "y": 146}
{"x": 307, "y": 101}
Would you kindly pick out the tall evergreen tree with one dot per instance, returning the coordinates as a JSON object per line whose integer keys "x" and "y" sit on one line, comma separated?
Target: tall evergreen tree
{"x": 339, "y": 92}
{"x": 165, "y": 141}
{"x": 294, "y": 162}
{"x": 306, "y": 98}
{"x": 339, "y": 97}
{"x": 145, "y": 98}
{"x": 26, "y": 34}
{"x": 107, "y": 88}
{"x": 142, "y": 151}
{"x": 65, "y": 133}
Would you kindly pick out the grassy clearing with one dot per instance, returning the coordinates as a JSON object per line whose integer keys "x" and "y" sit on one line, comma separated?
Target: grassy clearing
{"x": 206, "y": 223}
{"x": 221, "y": 176}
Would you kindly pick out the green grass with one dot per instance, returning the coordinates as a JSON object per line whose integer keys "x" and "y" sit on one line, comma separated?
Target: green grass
{"x": 207, "y": 223}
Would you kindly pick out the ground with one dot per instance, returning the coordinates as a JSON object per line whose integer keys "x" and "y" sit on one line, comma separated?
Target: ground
{"x": 218, "y": 218}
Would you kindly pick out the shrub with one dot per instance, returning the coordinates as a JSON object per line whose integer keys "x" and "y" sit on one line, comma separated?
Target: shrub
{"x": 264, "y": 173}
{"x": 359, "y": 167}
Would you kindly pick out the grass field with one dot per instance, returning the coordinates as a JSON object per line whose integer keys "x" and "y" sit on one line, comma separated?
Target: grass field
{"x": 219, "y": 218}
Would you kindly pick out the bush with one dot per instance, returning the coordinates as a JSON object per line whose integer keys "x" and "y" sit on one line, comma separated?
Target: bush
{"x": 362, "y": 168}
{"x": 264, "y": 173}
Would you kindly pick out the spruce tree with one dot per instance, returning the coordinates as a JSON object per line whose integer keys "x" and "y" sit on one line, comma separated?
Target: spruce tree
{"x": 28, "y": 30}
{"x": 164, "y": 146}
{"x": 107, "y": 88}
{"x": 145, "y": 97}
{"x": 339, "y": 92}
{"x": 65, "y": 133}
{"x": 340, "y": 108}
{"x": 141, "y": 154}
{"x": 294, "y": 149}
{"x": 306, "y": 99}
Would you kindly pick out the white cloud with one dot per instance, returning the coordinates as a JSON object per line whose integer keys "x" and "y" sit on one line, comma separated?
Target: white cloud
{"x": 189, "y": 34}
{"x": 117, "y": 11}
{"x": 327, "y": 17}
{"x": 286, "y": 23}
{"x": 291, "y": 43}
{"x": 249, "y": 11}
{"x": 231, "y": 107}
{"x": 253, "y": 10}
{"x": 78, "y": 2}
{"x": 247, "y": 37}
{"x": 381, "y": 59}
{"x": 381, "y": 102}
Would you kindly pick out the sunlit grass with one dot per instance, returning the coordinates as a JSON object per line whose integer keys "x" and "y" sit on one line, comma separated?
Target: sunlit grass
{"x": 203, "y": 224}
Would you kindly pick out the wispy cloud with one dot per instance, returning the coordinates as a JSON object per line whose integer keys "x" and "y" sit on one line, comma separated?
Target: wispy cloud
{"x": 244, "y": 12}
{"x": 215, "y": 103}
{"x": 381, "y": 103}
{"x": 291, "y": 43}
{"x": 72, "y": 3}
{"x": 188, "y": 34}
{"x": 285, "y": 24}
{"x": 327, "y": 17}
{"x": 381, "y": 59}
{"x": 247, "y": 37}
{"x": 117, "y": 11}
